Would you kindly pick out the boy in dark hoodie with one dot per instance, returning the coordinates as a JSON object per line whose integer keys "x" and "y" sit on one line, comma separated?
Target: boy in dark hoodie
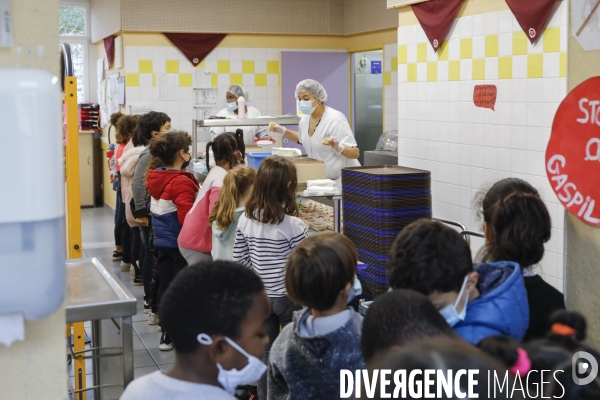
{"x": 476, "y": 300}
{"x": 173, "y": 191}
{"x": 307, "y": 356}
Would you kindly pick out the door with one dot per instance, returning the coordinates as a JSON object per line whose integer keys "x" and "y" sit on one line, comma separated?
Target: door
{"x": 329, "y": 68}
{"x": 368, "y": 100}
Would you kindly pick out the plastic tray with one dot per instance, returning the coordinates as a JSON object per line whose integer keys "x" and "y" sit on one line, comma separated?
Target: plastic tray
{"x": 255, "y": 158}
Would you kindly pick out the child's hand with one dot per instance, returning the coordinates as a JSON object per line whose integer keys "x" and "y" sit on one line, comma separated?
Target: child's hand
{"x": 142, "y": 221}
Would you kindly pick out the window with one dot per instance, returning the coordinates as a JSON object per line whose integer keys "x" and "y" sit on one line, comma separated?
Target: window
{"x": 73, "y": 28}
{"x": 72, "y": 21}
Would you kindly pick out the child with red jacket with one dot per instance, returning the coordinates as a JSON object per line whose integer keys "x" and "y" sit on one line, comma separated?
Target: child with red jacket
{"x": 173, "y": 192}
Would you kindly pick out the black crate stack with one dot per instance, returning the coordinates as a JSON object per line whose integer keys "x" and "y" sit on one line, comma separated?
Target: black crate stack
{"x": 89, "y": 116}
{"x": 378, "y": 203}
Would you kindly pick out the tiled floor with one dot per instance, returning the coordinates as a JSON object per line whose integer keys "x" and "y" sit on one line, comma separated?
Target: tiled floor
{"x": 98, "y": 241}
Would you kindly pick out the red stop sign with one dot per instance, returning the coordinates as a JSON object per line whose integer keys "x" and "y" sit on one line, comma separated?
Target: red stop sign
{"x": 573, "y": 152}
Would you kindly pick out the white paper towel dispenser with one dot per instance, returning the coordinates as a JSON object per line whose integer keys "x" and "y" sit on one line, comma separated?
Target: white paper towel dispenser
{"x": 32, "y": 210}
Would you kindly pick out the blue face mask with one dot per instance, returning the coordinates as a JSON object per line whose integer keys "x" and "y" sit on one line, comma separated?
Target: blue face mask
{"x": 356, "y": 290}
{"x": 450, "y": 314}
{"x": 232, "y": 106}
{"x": 306, "y": 107}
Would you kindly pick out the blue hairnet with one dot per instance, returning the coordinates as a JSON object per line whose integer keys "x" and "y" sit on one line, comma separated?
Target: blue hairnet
{"x": 313, "y": 87}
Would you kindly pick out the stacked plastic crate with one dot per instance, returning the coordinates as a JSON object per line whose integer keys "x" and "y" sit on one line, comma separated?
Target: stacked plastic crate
{"x": 378, "y": 203}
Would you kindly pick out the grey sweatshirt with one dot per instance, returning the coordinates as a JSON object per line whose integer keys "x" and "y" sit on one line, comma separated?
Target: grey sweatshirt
{"x": 223, "y": 241}
{"x": 308, "y": 367}
{"x": 139, "y": 185}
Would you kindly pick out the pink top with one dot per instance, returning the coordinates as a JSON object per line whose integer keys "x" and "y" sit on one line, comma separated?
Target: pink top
{"x": 196, "y": 233}
{"x": 119, "y": 154}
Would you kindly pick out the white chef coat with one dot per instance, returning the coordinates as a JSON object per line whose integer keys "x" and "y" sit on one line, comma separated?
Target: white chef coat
{"x": 333, "y": 123}
{"x": 250, "y": 132}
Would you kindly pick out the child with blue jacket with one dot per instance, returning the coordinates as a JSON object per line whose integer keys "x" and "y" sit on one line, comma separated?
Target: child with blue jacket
{"x": 478, "y": 300}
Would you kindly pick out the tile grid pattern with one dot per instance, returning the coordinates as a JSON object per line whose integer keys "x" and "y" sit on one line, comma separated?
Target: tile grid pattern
{"x": 256, "y": 69}
{"x": 390, "y": 87}
{"x": 468, "y": 148}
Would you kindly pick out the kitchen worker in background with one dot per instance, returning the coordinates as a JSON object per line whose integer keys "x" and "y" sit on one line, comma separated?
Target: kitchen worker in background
{"x": 231, "y": 111}
{"x": 323, "y": 131}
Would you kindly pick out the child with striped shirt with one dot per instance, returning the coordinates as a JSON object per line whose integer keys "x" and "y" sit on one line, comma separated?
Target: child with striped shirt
{"x": 266, "y": 235}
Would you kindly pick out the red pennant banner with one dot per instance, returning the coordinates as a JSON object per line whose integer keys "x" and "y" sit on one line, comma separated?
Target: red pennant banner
{"x": 531, "y": 15}
{"x": 436, "y": 16}
{"x": 109, "y": 46}
{"x": 195, "y": 46}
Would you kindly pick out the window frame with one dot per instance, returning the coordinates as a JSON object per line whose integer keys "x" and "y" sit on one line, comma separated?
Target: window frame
{"x": 87, "y": 47}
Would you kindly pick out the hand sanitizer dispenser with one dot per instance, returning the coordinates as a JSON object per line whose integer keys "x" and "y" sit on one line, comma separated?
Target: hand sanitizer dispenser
{"x": 32, "y": 235}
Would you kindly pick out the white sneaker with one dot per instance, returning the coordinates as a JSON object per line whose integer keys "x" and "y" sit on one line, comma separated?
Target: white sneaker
{"x": 165, "y": 343}
{"x": 147, "y": 308}
{"x": 132, "y": 270}
{"x": 153, "y": 319}
{"x": 158, "y": 328}
{"x": 125, "y": 266}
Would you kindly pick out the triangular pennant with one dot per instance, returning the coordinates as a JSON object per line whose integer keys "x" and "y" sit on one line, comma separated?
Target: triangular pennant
{"x": 109, "y": 46}
{"x": 531, "y": 15}
{"x": 435, "y": 17}
{"x": 195, "y": 46}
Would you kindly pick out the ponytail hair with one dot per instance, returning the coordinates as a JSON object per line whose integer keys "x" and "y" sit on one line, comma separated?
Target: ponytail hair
{"x": 236, "y": 184}
{"x": 518, "y": 223}
{"x": 223, "y": 147}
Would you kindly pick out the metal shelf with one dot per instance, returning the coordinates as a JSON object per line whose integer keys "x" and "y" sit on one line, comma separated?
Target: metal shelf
{"x": 279, "y": 119}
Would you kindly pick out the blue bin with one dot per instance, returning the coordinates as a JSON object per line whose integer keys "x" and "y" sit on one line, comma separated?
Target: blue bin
{"x": 254, "y": 159}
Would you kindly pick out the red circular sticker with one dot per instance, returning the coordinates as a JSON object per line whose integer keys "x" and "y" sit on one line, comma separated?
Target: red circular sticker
{"x": 573, "y": 152}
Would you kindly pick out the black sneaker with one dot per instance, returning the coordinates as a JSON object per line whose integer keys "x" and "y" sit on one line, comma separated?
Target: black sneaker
{"x": 137, "y": 281}
{"x": 117, "y": 255}
{"x": 165, "y": 343}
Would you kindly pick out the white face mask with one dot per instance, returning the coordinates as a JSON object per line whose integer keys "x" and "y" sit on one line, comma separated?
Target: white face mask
{"x": 231, "y": 379}
{"x": 232, "y": 106}
{"x": 450, "y": 314}
{"x": 356, "y": 290}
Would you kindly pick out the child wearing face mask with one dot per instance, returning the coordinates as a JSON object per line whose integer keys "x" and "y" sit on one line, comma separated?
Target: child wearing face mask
{"x": 216, "y": 313}
{"x": 476, "y": 300}
{"x": 173, "y": 191}
{"x": 324, "y": 337}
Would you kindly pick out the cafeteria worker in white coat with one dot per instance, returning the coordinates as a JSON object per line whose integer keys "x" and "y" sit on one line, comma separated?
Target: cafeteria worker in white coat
{"x": 323, "y": 131}
{"x": 231, "y": 111}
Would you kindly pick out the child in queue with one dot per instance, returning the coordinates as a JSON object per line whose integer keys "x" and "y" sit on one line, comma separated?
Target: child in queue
{"x": 225, "y": 215}
{"x": 324, "y": 337}
{"x": 266, "y": 235}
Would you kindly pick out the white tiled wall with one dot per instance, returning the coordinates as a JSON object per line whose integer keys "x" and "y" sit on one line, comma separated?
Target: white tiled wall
{"x": 390, "y": 87}
{"x": 467, "y": 148}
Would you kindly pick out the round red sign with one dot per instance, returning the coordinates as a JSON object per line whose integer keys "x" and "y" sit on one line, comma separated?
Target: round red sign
{"x": 573, "y": 152}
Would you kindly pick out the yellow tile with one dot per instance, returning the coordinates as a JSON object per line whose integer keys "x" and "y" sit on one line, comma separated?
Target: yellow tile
{"x": 443, "y": 51}
{"x": 185, "y": 80}
{"x": 491, "y": 46}
{"x": 235, "y": 79}
{"x": 422, "y": 52}
{"x": 432, "y": 72}
{"x": 563, "y": 64}
{"x": 412, "y": 72}
{"x": 505, "y": 67}
{"x": 466, "y": 48}
{"x": 172, "y": 66}
{"x": 551, "y": 40}
{"x": 479, "y": 69}
{"x": 260, "y": 79}
{"x": 202, "y": 64}
{"x": 394, "y": 63}
{"x": 402, "y": 54}
{"x": 223, "y": 67}
{"x": 214, "y": 80}
{"x": 248, "y": 67}
{"x": 535, "y": 64}
{"x": 132, "y": 80}
{"x": 145, "y": 66}
{"x": 454, "y": 70}
{"x": 519, "y": 43}
{"x": 387, "y": 78}
{"x": 272, "y": 67}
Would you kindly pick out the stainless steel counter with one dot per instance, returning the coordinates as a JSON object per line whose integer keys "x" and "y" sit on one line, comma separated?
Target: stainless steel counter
{"x": 278, "y": 119}
{"x": 94, "y": 294}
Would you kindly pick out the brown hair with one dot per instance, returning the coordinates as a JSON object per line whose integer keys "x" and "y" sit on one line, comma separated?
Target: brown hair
{"x": 223, "y": 147}
{"x": 165, "y": 148}
{"x": 114, "y": 118}
{"x": 518, "y": 223}
{"x": 236, "y": 184}
{"x": 274, "y": 194}
{"x": 319, "y": 268}
{"x": 125, "y": 127}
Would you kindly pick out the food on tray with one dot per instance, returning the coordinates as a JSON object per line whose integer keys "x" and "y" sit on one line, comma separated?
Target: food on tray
{"x": 325, "y": 141}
